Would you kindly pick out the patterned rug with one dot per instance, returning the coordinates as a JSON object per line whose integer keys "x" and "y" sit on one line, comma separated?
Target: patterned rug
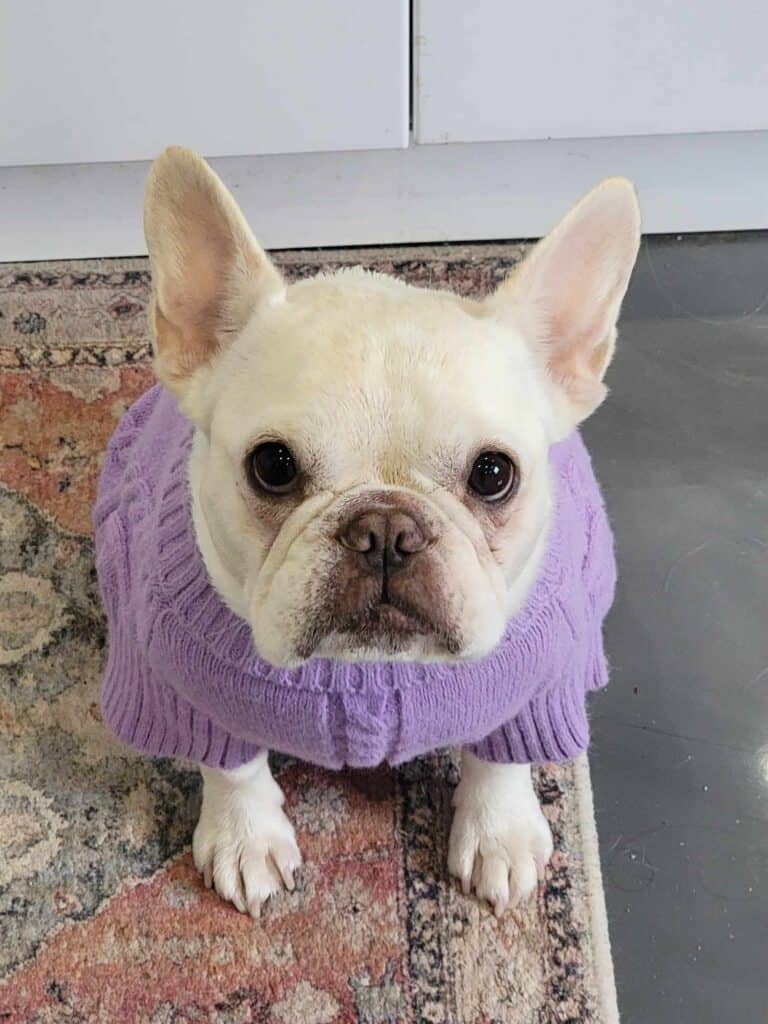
{"x": 102, "y": 917}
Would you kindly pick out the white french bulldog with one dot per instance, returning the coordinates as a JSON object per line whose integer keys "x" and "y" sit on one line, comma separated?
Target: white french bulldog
{"x": 362, "y": 383}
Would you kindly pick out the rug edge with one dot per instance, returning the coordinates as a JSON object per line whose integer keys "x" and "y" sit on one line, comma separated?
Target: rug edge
{"x": 447, "y": 252}
{"x": 598, "y": 914}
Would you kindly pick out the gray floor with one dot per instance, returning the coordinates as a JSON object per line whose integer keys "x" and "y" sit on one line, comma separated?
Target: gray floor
{"x": 680, "y": 754}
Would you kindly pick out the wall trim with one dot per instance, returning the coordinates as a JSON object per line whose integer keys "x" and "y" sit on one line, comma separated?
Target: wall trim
{"x": 485, "y": 191}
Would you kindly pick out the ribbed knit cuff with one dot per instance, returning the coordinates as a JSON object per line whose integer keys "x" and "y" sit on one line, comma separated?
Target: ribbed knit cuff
{"x": 552, "y": 728}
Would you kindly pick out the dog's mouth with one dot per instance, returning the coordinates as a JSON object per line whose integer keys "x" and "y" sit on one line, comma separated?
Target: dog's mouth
{"x": 385, "y": 628}
{"x": 383, "y": 621}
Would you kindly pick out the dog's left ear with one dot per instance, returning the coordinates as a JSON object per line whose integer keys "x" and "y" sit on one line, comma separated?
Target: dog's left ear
{"x": 567, "y": 294}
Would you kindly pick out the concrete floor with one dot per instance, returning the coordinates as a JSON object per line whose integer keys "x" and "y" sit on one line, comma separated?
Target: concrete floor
{"x": 680, "y": 737}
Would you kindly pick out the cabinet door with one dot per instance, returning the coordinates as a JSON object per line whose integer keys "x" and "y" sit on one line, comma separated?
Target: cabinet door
{"x": 85, "y": 80}
{"x": 496, "y": 70}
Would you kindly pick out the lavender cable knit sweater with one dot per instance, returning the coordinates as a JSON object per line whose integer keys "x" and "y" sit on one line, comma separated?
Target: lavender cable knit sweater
{"x": 183, "y": 678}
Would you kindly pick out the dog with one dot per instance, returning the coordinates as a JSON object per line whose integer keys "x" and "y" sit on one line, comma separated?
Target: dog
{"x": 355, "y": 521}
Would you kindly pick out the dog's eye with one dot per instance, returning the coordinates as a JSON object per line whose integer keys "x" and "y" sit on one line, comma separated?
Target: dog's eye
{"x": 493, "y": 476}
{"x": 273, "y": 467}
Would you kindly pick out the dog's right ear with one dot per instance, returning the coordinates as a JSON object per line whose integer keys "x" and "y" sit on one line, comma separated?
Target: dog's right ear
{"x": 208, "y": 271}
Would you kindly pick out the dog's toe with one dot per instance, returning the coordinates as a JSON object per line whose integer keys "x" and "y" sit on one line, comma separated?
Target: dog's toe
{"x": 523, "y": 874}
{"x": 261, "y": 878}
{"x": 492, "y": 881}
{"x": 227, "y": 880}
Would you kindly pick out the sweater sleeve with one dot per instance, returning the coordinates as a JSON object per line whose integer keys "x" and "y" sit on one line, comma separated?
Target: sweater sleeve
{"x": 153, "y": 718}
{"x": 552, "y": 727}
{"x": 140, "y": 710}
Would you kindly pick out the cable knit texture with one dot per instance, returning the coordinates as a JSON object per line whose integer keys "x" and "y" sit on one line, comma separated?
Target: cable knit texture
{"x": 183, "y": 678}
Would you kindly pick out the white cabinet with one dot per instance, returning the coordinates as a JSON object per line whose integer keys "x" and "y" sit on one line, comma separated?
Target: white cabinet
{"x": 89, "y": 80}
{"x": 494, "y": 70}
{"x": 303, "y": 106}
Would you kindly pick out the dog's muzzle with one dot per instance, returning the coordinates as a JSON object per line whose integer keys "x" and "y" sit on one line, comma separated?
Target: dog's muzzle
{"x": 387, "y": 586}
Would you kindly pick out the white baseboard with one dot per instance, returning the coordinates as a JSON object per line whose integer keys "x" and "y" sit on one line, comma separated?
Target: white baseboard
{"x": 713, "y": 182}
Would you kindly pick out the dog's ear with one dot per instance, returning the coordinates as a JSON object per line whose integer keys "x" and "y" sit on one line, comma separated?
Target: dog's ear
{"x": 208, "y": 271}
{"x": 567, "y": 293}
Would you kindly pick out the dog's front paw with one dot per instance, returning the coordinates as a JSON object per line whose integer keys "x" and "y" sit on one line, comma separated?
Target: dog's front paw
{"x": 500, "y": 841}
{"x": 247, "y": 858}
{"x": 244, "y": 845}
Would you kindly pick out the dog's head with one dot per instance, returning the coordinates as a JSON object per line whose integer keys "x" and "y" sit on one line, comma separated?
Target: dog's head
{"x": 373, "y": 475}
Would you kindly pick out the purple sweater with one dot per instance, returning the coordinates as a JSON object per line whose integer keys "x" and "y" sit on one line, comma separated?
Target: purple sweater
{"x": 183, "y": 678}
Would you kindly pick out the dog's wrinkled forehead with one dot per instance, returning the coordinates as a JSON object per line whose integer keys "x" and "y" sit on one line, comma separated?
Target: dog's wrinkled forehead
{"x": 358, "y": 368}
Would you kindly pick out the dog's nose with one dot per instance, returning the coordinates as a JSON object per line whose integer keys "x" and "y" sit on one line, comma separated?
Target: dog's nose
{"x": 385, "y": 537}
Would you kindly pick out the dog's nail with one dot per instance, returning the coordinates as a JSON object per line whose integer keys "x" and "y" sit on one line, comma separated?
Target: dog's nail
{"x": 208, "y": 876}
{"x": 466, "y": 884}
{"x": 286, "y": 873}
{"x": 254, "y": 909}
{"x": 239, "y": 902}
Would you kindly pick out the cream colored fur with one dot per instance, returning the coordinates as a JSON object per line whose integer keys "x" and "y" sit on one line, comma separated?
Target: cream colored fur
{"x": 376, "y": 386}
